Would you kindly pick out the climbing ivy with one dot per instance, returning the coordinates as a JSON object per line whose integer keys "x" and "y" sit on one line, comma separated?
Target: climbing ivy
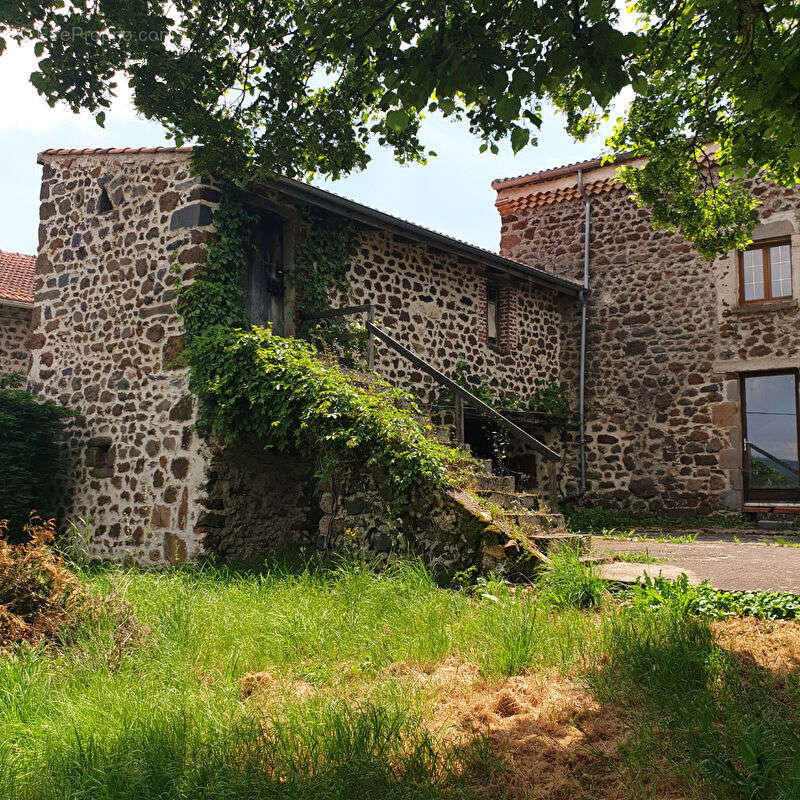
{"x": 321, "y": 263}
{"x": 215, "y": 298}
{"x": 255, "y": 385}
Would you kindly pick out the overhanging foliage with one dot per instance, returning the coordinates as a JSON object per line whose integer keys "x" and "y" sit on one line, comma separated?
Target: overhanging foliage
{"x": 302, "y": 87}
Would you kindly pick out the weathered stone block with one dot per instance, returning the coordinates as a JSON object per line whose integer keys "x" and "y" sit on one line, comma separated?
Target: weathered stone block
{"x": 193, "y": 216}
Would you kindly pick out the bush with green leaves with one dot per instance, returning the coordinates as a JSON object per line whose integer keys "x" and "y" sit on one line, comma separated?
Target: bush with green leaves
{"x": 33, "y": 461}
{"x": 258, "y": 386}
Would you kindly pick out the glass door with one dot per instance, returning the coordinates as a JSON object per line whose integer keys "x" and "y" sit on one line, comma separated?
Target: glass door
{"x": 769, "y": 405}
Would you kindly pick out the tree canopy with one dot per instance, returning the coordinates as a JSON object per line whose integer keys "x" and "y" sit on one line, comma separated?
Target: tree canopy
{"x": 300, "y": 87}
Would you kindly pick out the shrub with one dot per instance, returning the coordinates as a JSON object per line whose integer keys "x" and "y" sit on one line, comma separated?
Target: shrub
{"x": 36, "y": 590}
{"x": 33, "y": 459}
{"x": 568, "y": 582}
{"x": 42, "y": 600}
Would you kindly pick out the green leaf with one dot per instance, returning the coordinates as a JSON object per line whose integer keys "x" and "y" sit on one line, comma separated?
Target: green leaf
{"x": 519, "y": 138}
{"x": 397, "y": 120}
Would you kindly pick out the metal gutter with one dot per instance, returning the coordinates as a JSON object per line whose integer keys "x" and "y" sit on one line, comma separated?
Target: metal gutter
{"x": 16, "y": 304}
{"x": 373, "y": 217}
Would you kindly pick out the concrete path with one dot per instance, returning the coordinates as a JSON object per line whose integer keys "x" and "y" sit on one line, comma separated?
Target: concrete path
{"x": 726, "y": 564}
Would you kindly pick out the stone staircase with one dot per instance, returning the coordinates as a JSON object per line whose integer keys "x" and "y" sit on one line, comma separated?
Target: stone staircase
{"x": 524, "y": 525}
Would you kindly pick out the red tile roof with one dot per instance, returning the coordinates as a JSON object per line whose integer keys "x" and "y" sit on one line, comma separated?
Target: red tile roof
{"x": 111, "y": 151}
{"x": 16, "y": 277}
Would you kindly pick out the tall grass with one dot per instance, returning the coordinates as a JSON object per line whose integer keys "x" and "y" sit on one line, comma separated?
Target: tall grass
{"x": 568, "y": 582}
{"x": 169, "y": 718}
{"x": 170, "y": 713}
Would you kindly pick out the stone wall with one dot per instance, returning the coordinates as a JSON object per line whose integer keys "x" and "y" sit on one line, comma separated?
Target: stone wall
{"x": 259, "y": 504}
{"x": 105, "y": 341}
{"x": 666, "y": 342}
{"x": 15, "y": 331}
{"x": 435, "y": 304}
{"x": 447, "y": 529}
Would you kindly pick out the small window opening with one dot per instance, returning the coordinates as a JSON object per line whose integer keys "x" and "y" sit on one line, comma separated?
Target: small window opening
{"x": 100, "y": 457}
{"x": 104, "y": 204}
{"x": 492, "y": 313}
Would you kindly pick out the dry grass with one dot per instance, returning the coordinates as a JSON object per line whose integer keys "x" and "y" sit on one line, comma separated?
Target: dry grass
{"x": 552, "y": 738}
{"x": 266, "y": 686}
{"x": 773, "y": 645}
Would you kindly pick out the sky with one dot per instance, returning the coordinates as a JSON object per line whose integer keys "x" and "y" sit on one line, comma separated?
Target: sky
{"x": 451, "y": 194}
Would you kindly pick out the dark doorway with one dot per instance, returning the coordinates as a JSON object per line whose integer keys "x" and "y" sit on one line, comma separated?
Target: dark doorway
{"x": 263, "y": 279}
{"x": 770, "y": 412}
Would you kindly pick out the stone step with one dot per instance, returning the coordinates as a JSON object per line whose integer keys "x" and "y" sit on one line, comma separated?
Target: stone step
{"x": 480, "y": 482}
{"x": 545, "y": 544}
{"x": 510, "y": 499}
{"x": 534, "y": 522}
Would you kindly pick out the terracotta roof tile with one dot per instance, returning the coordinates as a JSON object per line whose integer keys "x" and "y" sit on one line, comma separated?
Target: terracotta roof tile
{"x": 16, "y": 277}
{"x": 111, "y": 151}
{"x": 539, "y": 199}
{"x": 556, "y": 172}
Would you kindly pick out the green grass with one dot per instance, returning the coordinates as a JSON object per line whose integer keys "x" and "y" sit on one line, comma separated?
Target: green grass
{"x": 597, "y": 519}
{"x": 632, "y": 536}
{"x": 167, "y": 718}
{"x": 161, "y": 720}
{"x": 632, "y": 557}
{"x": 720, "y": 721}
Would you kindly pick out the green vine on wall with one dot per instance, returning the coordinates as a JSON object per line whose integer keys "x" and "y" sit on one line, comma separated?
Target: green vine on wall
{"x": 256, "y": 386}
{"x": 322, "y": 260}
{"x": 547, "y": 398}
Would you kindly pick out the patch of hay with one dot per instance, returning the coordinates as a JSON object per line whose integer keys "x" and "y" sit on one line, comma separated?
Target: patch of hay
{"x": 552, "y": 738}
{"x": 266, "y": 686}
{"x": 771, "y": 644}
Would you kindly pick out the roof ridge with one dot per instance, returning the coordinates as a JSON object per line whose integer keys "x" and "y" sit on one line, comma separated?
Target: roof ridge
{"x": 16, "y": 253}
{"x": 96, "y": 151}
{"x": 555, "y": 172}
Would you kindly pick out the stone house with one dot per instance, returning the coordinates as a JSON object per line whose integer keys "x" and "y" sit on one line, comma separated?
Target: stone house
{"x": 16, "y": 307}
{"x": 690, "y": 377}
{"x": 105, "y": 337}
{"x": 691, "y": 366}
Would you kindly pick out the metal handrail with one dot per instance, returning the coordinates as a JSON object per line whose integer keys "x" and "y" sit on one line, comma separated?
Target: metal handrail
{"x": 774, "y": 458}
{"x": 462, "y": 393}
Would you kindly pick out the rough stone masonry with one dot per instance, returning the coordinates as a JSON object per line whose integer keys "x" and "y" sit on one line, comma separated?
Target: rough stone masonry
{"x": 668, "y": 342}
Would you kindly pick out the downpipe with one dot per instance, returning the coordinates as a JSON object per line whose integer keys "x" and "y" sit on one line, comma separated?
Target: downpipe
{"x": 587, "y": 217}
